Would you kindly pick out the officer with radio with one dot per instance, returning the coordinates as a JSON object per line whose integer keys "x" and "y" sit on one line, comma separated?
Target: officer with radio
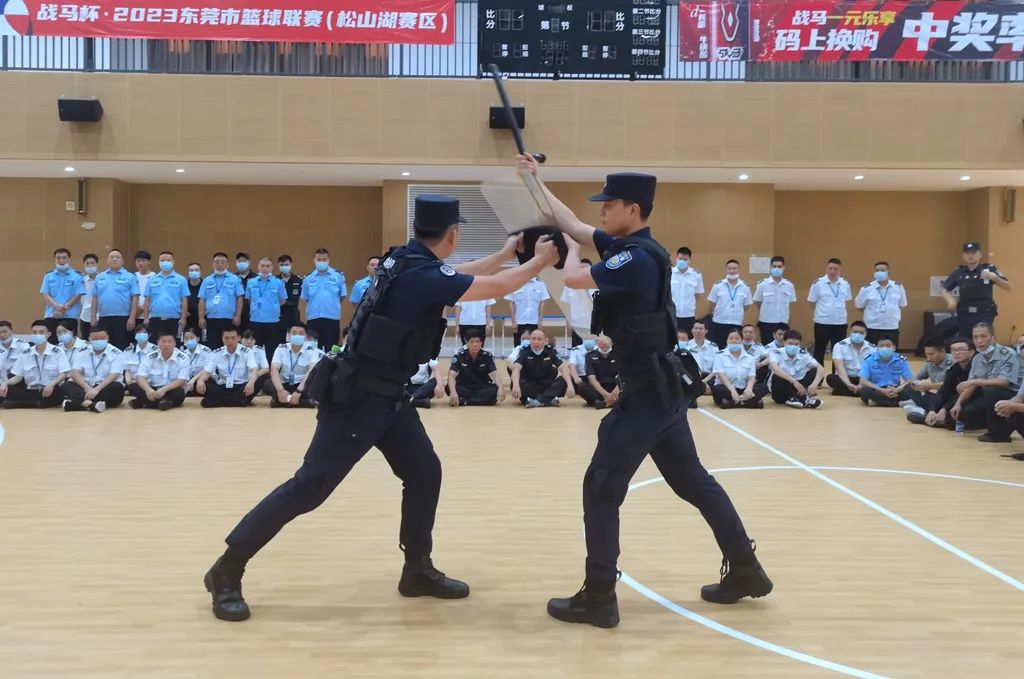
{"x": 362, "y": 403}
{"x": 976, "y": 281}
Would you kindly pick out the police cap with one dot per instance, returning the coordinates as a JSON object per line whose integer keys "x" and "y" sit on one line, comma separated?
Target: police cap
{"x": 632, "y": 186}
{"x": 972, "y": 247}
{"x": 434, "y": 213}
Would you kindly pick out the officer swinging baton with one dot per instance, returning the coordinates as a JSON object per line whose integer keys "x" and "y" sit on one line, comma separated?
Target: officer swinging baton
{"x": 509, "y": 116}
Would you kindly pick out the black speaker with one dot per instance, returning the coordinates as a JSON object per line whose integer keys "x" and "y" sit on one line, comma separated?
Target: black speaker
{"x": 499, "y": 121}
{"x": 79, "y": 110}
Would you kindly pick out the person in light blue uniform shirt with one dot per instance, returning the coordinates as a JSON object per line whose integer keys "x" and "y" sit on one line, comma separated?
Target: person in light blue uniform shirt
{"x": 62, "y": 290}
{"x": 360, "y": 286}
{"x": 266, "y": 293}
{"x": 165, "y": 309}
{"x": 323, "y": 291}
{"x": 220, "y": 302}
{"x": 116, "y": 301}
{"x": 883, "y": 375}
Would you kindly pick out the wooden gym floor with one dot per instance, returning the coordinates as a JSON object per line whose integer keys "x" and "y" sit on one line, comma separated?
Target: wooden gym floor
{"x": 895, "y": 551}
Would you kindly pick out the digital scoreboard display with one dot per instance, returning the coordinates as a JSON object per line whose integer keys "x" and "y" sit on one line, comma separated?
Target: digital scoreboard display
{"x": 616, "y": 38}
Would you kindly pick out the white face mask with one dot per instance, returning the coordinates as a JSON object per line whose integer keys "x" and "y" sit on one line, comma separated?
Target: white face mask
{"x": 732, "y": 276}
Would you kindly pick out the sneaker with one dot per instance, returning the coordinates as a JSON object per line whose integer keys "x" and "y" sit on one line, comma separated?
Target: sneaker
{"x": 916, "y": 410}
{"x": 555, "y": 402}
{"x": 165, "y": 404}
{"x": 66, "y": 405}
{"x": 812, "y": 403}
{"x": 914, "y": 417}
{"x": 595, "y": 606}
{"x": 422, "y": 579}
{"x": 99, "y": 406}
{"x": 907, "y": 402}
{"x": 740, "y": 578}
{"x": 989, "y": 438}
{"x": 533, "y": 403}
{"x": 795, "y": 403}
{"x": 600, "y": 404}
{"x": 421, "y": 403}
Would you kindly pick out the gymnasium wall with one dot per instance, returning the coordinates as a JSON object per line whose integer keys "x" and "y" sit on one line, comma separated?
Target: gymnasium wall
{"x": 439, "y": 121}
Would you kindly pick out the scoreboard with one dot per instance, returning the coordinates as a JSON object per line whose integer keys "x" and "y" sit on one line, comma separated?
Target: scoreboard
{"x": 614, "y": 38}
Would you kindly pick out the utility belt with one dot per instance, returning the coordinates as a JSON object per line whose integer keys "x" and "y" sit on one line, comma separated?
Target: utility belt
{"x": 670, "y": 377}
{"x": 976, "y": 306}
{"x": 334, "y": 380}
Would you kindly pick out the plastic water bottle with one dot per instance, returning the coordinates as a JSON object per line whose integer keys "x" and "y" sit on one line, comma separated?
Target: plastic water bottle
{"x": 959, "y": 427}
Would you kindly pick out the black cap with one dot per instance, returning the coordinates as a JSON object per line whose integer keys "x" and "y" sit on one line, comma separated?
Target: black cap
{"x": 434, "y": 213}
{"x": 972, "y": 247}
{"x": 632, "y": 186}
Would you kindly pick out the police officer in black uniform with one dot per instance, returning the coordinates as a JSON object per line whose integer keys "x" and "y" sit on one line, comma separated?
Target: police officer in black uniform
{"x": 292, "y": 286}
{"x": 603, "y": 369}
{"x": 362, "y": 402}
{"x": 634, "y": 307}
{"x": 537, "y": 377}
{"x": 473, "y": 376}
{"x": 975, "y": 280}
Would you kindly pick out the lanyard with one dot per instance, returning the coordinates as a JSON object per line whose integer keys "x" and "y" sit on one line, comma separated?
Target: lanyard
{"x": 262, "y": 289}
{"x": 835, "y": 290}
{"x": 293, "y": 358}
{"x": 192, "y": 358}
{"x": 883, "y": 296}
{"x": 733, "y": 291}
{"x": 96, "y": 366}
{"x": 231, "y": 365}
{"x": 223, "y": 279}
{"x": 39, "y": 367}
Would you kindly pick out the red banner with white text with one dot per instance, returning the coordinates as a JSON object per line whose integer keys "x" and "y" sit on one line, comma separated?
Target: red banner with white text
{"x": 423, "y": 22}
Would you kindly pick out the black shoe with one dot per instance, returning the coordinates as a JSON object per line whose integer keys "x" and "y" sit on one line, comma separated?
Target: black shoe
{"x": 595, "y": 606}
{"x": 421, "y": 403}
{"x": 741, "y": 578}
{"x": 422, "y": 579}
{"x": 915, "y": 418}
{"x": 165, "y": 404}
{"x": 693, "y": 404}
{"x": 224, "y": 582}
{"x": 600, "y": 404}
{"x": 989, "y": 438}
{"x": 135, "y": 403}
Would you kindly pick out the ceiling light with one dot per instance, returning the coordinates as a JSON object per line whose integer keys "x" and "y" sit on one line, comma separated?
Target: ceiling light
{"x": 744, "y": 177}
{"x": 69, "y": 169}
{"x": 858, "y": 178}
{"x": 406, "y": 174}
{"x": 180, "y": 170}
{"x": 965, "y": 178}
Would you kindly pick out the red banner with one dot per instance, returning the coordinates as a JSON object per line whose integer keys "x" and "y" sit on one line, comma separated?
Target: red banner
{"x": 423, "y": 22}
{"x": 895, "y": 31}
{"x": 713, "y": 31}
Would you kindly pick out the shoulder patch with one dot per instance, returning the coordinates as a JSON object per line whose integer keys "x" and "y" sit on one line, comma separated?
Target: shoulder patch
{"x": 447, "y": 270}
{"x": 619, "y": 260}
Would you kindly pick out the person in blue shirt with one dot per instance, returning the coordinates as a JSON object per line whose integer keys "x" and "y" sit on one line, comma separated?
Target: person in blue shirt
{"x": 116, "y": 301}
{"x": 266, "y": 294}
{"x": 220, "y": 302}
{"x": 360, "y": 286}
{"x": 884, "y": 374}
{"x": 398, "y": 326}
{"x": 62, "y": 291}
{"x": 323, "y": 291}
{"x": 165, "y": 309}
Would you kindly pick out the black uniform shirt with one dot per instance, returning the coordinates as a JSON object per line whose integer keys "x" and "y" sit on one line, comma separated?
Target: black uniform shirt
{"x": 603, "y": 366}
{"x": 473, "y": 372}
{"x": 293, "y": 287}
{"x": 539, "y": 368}
{"x": 975, "y": 291}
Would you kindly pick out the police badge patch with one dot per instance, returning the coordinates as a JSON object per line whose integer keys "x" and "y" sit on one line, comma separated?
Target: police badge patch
{"x": 616, "y": 261}
{"x": 447, "y": 270}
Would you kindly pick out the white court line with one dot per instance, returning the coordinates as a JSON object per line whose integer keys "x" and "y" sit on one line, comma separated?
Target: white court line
{"x": 954, "y": 477}
{"x": 659, "y": 479}
{"x": 906, "y": 523}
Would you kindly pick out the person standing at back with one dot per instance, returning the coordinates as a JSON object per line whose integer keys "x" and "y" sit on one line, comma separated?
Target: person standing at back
{"x": 266, "y": 294}
{"x": 635, "y": 310}
{"x": 62, "y": 292}
{"x": 292, "y": 286}
{"x": 829, "y": 295}
{"x": 166, "y": 309}
{"x": 245, "y": 274}
{"x": 528, "y": 306}
{"x": 773, "y": 296}
{"x": 976, "y": 281}
{"x": 687, "y": 285}
{"x": 882, "y": 300}
{"x": 730, "y": 298}
{"x": 581, "y": 306}
{"x": 195, "y": 286}
{"x": 360, "y": 286}
{"x": 323, "y": 291}
{"x": 220, "y": 302}
{"x": 473, "y": 319}
{"x": 90, "y": 267}
{"x": 142, "y": 276}
{"x": 116, "y": 301}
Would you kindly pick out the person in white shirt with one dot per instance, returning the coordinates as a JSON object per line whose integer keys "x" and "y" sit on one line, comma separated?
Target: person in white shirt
{"x": 736, "y": 384}
{"x": 10, "y": 349}
{"x": 289, "y": 369}
{"x": 142, "y": 276}
{"x": 428, "y": 382}
{"x": 36, "y": 374}
{"x": 581, "y": 307}
{"x": 882, "y": 301}
{"x": 730, "y": 298}
{"x": 796, "y": 376}
{"x": 67, "y": 340}
{"x": 161, "y": 378}
{"x": 773, "y": 296}
{"x": 702, "y": 348}
{"x": 136, "y": 353}
{"x": 576, "y": 360}
{"x": 473, "y": 318}
{"x": 513, "y": 356}
{"x": 260, "y": 356}
{"x": 198, "y": 354}
{"x": 687, "y": 284}
{"x": 528, "y": 305}
{"x": 90, "y": 266}
{"x": 97, "y": 375}
{"x": 829, "y": 294}
{"x": 229, "y": 377}
{"x": 846, "y": 359}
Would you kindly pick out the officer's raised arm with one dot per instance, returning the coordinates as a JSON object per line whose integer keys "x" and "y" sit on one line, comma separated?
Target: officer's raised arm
{"x": 577, "y": 274}
{"x": 567, "y": 220}
{"x": 493, "y": 263}
{"x": 509, "y": 280}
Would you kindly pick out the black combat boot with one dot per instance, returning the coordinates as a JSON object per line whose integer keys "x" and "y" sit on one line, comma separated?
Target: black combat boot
{"x": 420, "y": 578}
{"x": 224, "y": 582}
{"x": 594, "y": 604}
{"x": 741, "y": 577}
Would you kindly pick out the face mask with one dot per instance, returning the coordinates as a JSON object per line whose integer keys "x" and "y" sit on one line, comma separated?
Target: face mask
{"x": 7, "y": 342}
{"x": 67, "y": 338}
{"x": 682, "y": 264}
{"x": 589, "y": 345}
{"x": 194, "y": 275}
{"x": 732, "y": 276}
{"x": 735, "y": 348}
{"x": 857, "y": 337}
{"x": 989, "y": 350}
{"x": 681, "y": 344}
{"x": 524, "y": 344}
{"x": 191, "y": 344}
{"x": 885, "y": 353}
{"x": 297, "y": 340}
{"x": 322, "y": 266}
{"x": 881, "y": 275}
{"x": 311, "y": 344}
{"x": 63, "y": 267}
{"x": 90, "y": 270}
{"x": 777, "y": 271}
{"x": 792, "y": 350}
{"x": 537, "y": 352}
{"x": 604, "y": 352}
{"x": 264, "y": 276}
{"x": 142, "y": 337}
{"x": 242, "y": 266}
{"x": 286, "y": 268}
{"x": 36, "y": 340}
{"x": 166, "y": 266}
{"x": 99, "y": 345}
